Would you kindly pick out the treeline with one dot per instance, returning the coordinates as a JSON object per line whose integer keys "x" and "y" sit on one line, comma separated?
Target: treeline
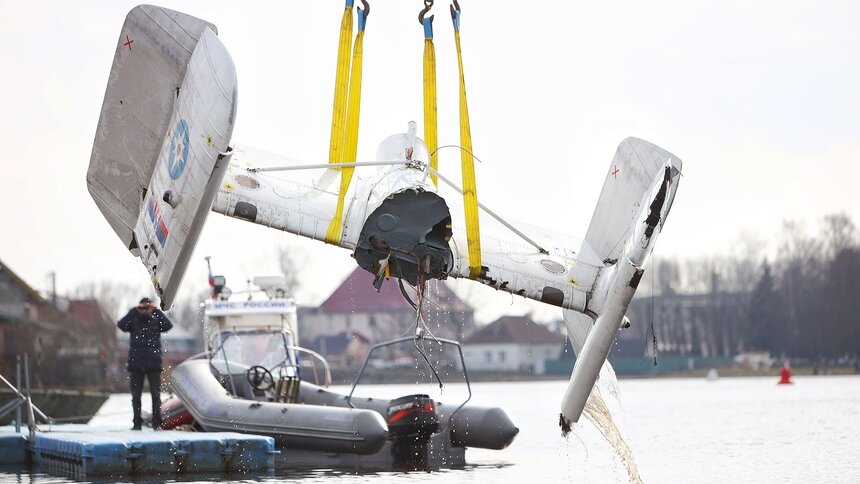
{"x": 797, "y": 295}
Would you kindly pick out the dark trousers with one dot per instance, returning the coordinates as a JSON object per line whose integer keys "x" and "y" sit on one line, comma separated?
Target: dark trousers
{"x": 136, "y": 380}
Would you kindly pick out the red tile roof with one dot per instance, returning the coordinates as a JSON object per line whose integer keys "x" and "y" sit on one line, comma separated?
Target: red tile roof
{"x": 514, "y": 329}
{"x": 90, "y": 313}
{"x": 357, "y": 294}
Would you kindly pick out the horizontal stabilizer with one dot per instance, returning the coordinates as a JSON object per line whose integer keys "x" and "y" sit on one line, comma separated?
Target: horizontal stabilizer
{"x": 150, "y": 62}
{"x": 161, "y": 147}
{"x": 632, "y": 172}
{"x": 633, "y": 206}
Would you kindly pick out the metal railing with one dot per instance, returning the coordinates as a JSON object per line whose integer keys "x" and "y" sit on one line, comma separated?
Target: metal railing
{"x": 22, "y": 398}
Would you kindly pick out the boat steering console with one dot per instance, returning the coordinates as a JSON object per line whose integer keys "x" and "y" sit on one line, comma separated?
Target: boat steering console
{"x": 260, "y": 378}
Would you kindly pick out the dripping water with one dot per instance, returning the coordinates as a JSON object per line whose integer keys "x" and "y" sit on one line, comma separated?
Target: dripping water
{"x": 599, "y": 414}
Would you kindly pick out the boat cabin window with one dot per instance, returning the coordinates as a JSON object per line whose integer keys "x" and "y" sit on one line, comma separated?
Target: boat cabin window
{"x": 254, "y": 348}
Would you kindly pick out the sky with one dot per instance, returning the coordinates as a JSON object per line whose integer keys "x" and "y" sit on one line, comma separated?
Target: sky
{"x": 759, "y": 100}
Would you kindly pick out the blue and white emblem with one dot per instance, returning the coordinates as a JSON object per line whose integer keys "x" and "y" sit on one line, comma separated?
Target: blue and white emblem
{"x": 177, "y": 155}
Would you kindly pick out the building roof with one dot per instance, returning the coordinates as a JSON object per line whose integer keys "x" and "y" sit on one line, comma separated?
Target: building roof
{"x": 32, "y": 292}
{"x": 357, "y": 294}
{"x": 514, "y": 329}
{"x": 90, "y": 313}
{"x": 335, "y": 344}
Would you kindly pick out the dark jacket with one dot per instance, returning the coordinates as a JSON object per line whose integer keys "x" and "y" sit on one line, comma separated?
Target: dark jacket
{"x": 144, "y": 342}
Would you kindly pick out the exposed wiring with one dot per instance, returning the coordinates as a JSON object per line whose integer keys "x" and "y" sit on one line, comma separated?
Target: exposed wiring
{"x": 418, "y": 305}
{"x": 459, "y": 147}
{"x": 653, "y": 333}
{"x": 419, "y": 335}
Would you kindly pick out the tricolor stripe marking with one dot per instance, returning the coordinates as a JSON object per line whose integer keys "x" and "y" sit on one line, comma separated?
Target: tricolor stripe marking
{"x": 158, "y": 225}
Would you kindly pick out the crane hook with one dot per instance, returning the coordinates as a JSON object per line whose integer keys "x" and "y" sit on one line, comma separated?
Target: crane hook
{"x": 455, "y": 9}
{"x": 366, "y": 8}
{"x": 428, "y": 4}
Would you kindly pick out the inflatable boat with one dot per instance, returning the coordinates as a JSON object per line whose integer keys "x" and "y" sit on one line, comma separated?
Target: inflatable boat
{"x": 250, "y": 380}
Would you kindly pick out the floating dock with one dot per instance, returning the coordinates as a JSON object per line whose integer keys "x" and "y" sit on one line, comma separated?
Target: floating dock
{"x": 81, "y": 451}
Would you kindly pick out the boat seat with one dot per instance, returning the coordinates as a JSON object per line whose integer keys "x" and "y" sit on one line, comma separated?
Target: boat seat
{"x": 287, "y": 389}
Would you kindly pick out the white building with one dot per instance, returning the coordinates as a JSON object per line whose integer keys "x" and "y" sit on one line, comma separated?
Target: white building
{"x": 512, "y": 343}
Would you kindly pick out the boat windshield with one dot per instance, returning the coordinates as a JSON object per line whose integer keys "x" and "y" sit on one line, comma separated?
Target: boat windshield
{"x": 263, "y": 348}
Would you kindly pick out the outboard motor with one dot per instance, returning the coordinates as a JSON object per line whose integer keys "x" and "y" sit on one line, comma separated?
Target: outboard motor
{"x": 411, "y": 421}
{"x": 412, "y": 417}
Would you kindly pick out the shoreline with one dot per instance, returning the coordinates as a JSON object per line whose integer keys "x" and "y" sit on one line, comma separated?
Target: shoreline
{"x": 346, "y": 377}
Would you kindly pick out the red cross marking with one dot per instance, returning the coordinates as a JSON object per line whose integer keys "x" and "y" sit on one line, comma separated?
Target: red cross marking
{"x": 128, "y": 42}
{"x": 615, "y": 173}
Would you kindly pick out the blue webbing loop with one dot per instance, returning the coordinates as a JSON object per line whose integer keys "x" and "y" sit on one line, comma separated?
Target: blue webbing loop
{"x": 428, "y": 27}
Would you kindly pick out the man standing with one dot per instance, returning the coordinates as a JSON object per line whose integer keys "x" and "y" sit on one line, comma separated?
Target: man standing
{"x": 145, "y": 323}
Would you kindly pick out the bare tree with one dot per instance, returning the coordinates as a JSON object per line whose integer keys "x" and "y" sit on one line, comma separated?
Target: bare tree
{"x": 742, "y": 267}
{"x": 698, "y": 275}
{"x": 803, "y": 304}
{"x": 291, "y": 266}
{"x": 668, "y": 274}
{"x": 115, "y": 297}
{"x": 839, "y": 322}
{"x": 838, "y": 232}
{"x": 766, "y": 318}
{"x": 800, "y": 273}
{"x": 187, "y": 311}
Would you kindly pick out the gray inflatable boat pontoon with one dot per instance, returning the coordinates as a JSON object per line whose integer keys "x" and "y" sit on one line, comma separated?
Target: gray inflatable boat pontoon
{"x": 322, "y": 428}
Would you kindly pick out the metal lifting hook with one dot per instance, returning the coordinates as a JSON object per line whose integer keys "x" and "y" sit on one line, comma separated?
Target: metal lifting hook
{"x": 455, "y": 8}
{"x": 428, "y": 4}
{"x": 366, "y": 8}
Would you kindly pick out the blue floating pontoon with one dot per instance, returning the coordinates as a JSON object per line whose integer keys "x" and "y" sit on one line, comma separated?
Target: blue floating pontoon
{"x": 13, "y": 449}
{"x": 80, "y": 452}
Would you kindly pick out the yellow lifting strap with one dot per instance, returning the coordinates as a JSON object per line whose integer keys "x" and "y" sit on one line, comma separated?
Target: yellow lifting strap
{"x": 338, "y": 115}
{"x": 470, "y": 192}
{"x": 431, "y": 136}
{"x": 347, "y": 150}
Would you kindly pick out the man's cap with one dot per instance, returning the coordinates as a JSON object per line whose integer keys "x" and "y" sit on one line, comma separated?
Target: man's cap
{"x": 145, "y": 300}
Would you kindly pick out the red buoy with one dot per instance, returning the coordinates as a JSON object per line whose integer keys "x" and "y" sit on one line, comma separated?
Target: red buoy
{"x": 785, "y": 375}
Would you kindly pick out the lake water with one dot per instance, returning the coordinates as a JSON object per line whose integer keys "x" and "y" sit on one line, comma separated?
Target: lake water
{"x": 679, "y": 430}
